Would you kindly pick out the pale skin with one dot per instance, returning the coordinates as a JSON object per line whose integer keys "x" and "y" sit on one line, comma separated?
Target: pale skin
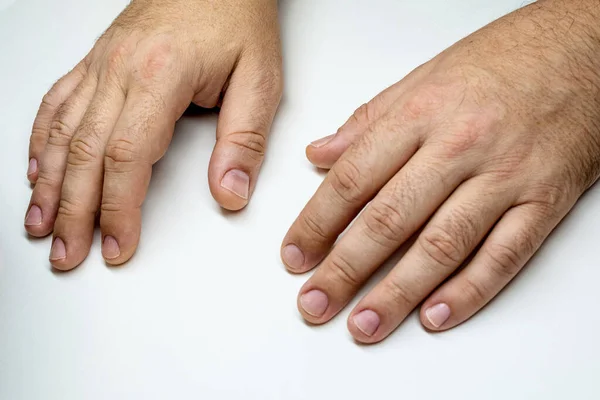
{"x": 477, "y": 155}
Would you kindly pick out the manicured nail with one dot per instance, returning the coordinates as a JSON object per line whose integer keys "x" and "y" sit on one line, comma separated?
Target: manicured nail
{"x": 367, "y": 322}
{"x": 237, "y": 182}
{"x": 32, "y": 169}
{"x": 58, "y": 251}
{"x": 314, "y": 302}
{"x": 293, "y": 256}
{"x": 323, "y": 141}
{"x": 110, "y": 248}
{"x": 438, "y": 314}
{"x": 34, "y": 216}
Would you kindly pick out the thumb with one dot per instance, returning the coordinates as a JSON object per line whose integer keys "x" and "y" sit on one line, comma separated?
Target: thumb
{"x": 245, "y": 119}
{"x": 324, "y": 152}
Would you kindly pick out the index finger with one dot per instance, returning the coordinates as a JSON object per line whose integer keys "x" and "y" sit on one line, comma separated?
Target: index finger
{"x": 353, "y": 180}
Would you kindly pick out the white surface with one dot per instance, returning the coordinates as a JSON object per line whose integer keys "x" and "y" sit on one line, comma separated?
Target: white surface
{"x": 205, "y": 309}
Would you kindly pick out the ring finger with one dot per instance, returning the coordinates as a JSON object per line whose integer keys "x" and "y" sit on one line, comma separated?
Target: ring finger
{"x": 446, "y": 241}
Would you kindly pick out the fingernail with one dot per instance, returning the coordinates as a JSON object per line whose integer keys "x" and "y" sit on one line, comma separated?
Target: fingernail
{"x": 293, "y": 256}
{"x": 58, "y": 251}
{"x": 237, "y": 182}
{"x": 110, "y": 248}
{"x": 314, "y": 302}
{"x": 438, "y": 314}
{"x": 34, "y": 216}
{"x": 323, "y": 141}
{"x": 367, "y": 321}
{"x": 32, "y": 169}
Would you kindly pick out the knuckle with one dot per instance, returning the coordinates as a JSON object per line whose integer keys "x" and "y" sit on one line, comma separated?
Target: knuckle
{"x": 83, "y": 151}
{"x": 474, "y": 292}
{"x": 119, "y": 153}
{"x": 423, "y": 102}
{"x": 158, "y": 58}
{"x": 38, "y": 140}
{"x": 441, "y": 247}
{"x": 469, "y": 134}
{"x": 347, "y": 181}
{"x": 115, "y": 59}
{"x": 70, "y": 207}
{"x": 384, "y": 223}
{"x": 399, "y": 294}
{"x": 361, "y": 116}
{"x": 60, "y": 133}
{"x": 549, "y": 199}
{"x": 343, "y": 271}
{"x": 505, "y": 261}
{"x": 46, "y": 180}
{"x": 251, "y": 142}
{"x": 313, "y": 226}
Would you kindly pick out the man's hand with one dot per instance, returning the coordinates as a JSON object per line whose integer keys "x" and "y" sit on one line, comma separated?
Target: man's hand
{"x": 102, "y": 126}
{"x": 481, "y": 151}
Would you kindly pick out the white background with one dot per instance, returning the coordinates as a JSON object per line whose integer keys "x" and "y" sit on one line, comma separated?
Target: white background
{"x": 205, "y": 308}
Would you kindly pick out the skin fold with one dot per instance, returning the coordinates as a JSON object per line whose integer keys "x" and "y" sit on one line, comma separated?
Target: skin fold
{"x": 476, "y": 155}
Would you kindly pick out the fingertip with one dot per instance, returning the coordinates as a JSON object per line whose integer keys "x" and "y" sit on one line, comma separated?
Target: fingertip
{"x": 35, "y": 223}
{"x": 58, "y": 256}
{"x": 318, "y": 157}
{"x": 120, "y": 235}
{"x": 293, "y": 258}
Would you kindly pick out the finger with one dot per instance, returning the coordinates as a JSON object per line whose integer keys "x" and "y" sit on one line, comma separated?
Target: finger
{"x": 245, "y": 120}
{"x": 82, "y": 185}
{"x": 44, "y": 203}
{"x": 324, "y": 152}
{"x": 446, "y": 241}
{"x": 511, "y": 244}
{"x": 140, "y": 138}
{"x": 400, "y": 208}
{"x": 50, "y": 104}
{"x": 350, "y": 184}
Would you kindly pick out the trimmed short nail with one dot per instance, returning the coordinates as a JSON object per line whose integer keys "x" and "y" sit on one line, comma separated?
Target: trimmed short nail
{"x": 293, "y": 256}
{"x": 58, "y": 251}
{"x": 33, "y": 166}
{"x": 237, "y": 182}
{"x": 314, "y": 302}
{"x": 323, "y": 141}
{"x": 438, "y": 314}
{"x": 367, "y": 322}
{"x": 110, "y": 248}
{"x": 34, "y": 216}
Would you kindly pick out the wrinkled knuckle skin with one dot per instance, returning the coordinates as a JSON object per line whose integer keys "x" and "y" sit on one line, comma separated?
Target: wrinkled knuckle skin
{"x": 343, "y": 271}
{"x": 347, "y": 181}
{"x": 473, "y": 292}
{"x": 120, "y": 153}
{"x": 37, "y": 141}
{"x": 253, "y": 143}
{"x": 60, "y": 133}
{"x": 505, "y": 261}
{"x": 441, "y": 247}
{"x": 82, "y": 152}
{"x": 361, "y": 116}
{"x": 384, "y": 223}
{"x": 69, "y": 208}
{"x": 399, "y": 294}
{"x": 314, "y": 229}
